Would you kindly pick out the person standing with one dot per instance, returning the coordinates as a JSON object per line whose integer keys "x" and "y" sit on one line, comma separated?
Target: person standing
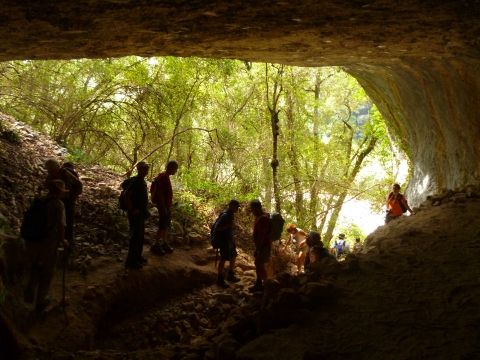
{"x": 162, "y": 197}
{"x": 74, "y": 187}
{"x": 396, "y": 204}
{"x": 42, "y": 254}
{"x": 136, "y": 194}
{"x": 340, "y": 246}
{"x": 262, "y": 241}
{"x": 224, "y": 236}
{"x": 297, "y": 237}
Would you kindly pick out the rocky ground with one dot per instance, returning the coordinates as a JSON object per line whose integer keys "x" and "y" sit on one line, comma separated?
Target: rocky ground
{"x": 413, "y": 293}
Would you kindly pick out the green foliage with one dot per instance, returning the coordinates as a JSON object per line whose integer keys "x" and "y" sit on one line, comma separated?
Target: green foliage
{"x": 352, "y": 231}
{"x": 76, "y": 155}
{"x": 212, "y": 117}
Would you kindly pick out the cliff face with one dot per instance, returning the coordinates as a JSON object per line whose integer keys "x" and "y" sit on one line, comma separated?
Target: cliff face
{"x": 432, "y": 107}
{"x": 418, "y": 60}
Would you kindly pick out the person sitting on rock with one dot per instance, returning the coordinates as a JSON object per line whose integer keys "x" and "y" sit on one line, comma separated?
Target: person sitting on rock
{"x": 316, "y": 254}
{"x": 224, "y": 235}
{"x": 263, "y": 243}
{"x": 357, "y": 247}
{"x": 313, "y": 239}
{"x": 397, "y": 205}
{"x": 42, "y": 254}
{"x": 297, "y": 237}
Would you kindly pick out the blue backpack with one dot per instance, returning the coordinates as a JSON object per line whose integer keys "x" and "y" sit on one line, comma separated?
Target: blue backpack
{"x": 339, "y": 246}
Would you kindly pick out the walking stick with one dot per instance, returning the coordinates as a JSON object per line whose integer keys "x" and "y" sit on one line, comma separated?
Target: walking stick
{"x": 216, "y": 257}
{"x": 63, "y": 302}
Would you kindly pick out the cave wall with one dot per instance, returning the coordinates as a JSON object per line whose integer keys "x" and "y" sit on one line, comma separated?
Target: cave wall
{"x": 418, "y": 60}
{"x": 432, "y": 107}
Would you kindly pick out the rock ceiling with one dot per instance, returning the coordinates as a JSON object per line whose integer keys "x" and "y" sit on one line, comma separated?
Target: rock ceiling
{"x": 418, "y": 60}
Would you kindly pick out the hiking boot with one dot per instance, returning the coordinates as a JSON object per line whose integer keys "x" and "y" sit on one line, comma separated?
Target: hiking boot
{"x": 231, "y": 277}
{"x": 221, "y": 282}
{"x": 167, "y": 248}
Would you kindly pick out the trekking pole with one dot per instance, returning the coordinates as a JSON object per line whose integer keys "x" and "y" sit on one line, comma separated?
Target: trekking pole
{"x": 64, "y": 271}
{"x": 216, "y": 257}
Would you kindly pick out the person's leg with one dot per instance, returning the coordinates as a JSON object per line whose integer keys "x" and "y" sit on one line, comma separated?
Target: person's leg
{"x": 220, "y": 278}
{"x": 300, "y": 261}
{"x": 32, "y": 284}
{"x": 133, "y": 255}
{"x": 261, "y": 273}
{"x": 232, "y": 256}
{"x": 231, "y": 270}
{"x": 45, "y": 278}
{"x": 159, "y": 246}
{"x": 166, "y": 241}
{"x": 140, "y": 239}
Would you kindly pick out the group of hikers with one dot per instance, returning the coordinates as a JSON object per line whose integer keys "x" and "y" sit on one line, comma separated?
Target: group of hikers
{"x": 53, "y": 226}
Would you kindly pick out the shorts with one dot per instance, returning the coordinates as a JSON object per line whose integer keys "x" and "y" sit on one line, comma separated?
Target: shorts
{"x": 164, "y": 220}
{"x": 262, "y": 254}
{"x": 228, "y": 252}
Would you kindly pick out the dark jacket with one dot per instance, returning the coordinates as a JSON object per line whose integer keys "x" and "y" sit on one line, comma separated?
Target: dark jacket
{"x": 138, "y": 192}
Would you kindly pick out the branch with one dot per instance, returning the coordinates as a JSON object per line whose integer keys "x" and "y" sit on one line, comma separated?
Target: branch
{"x": 169, "y": 142}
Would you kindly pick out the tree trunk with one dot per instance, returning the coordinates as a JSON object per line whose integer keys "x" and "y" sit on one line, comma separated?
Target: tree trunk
{"x": 294, "y": 164}
{"x": 351, "y": 178}
{"x": 268, "y": 184}
{"x": 314, "y": 189}
{"x": 275, "y": 125}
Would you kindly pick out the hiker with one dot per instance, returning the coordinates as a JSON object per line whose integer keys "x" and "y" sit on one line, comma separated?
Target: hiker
{"x": 297, "y": 237}
{"x": 316, "y": 254}
{"x": 162, "y": 196}
{"x": 74, "y": 187}
{"x": 137, "y": 211}
{"x": 340, "y": 246}
{"x": 263, "y": 243}
{"x": 42, "y": 254}
{"x": 357, "y": 247}
{"x": 313, "y": 239}
{"x": 396, "y": 204}
{"x": 223, "y": 232}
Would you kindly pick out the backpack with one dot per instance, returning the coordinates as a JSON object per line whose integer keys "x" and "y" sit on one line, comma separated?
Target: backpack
{"x": 154, "y": 190}
{"x": 339, "y": 245}
{"x": 214, "y": 240}
{"x": 276, "y": 226}
{"x": 400, "y": 200}
{"x": 125, "y": 201}
{"x": 34, "y": 224}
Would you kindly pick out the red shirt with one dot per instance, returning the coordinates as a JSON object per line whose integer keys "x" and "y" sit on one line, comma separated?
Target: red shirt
{"x": 261, "y": 230}
{"x": 164, "y": 188}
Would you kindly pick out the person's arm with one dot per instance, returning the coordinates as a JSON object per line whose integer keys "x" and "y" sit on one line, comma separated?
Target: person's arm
{"x": 405, "y": 202}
